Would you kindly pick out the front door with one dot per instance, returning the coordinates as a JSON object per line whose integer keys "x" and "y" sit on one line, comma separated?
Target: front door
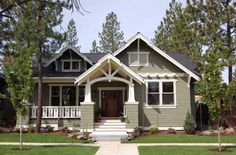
{"x": 111, "y": 103}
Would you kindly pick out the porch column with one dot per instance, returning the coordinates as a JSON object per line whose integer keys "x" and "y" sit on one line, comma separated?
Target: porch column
{"x": 87, "y": 110}
{"x": 131, "y": 97}
{"x": 131, "y": 108}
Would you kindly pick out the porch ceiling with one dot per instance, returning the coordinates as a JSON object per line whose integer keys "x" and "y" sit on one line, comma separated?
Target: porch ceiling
{"x": 109, "y": 68}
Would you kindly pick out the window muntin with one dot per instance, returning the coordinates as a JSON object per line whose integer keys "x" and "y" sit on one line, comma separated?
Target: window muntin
{"x": 70, "y": 65}
{"x": 161, "y": 93}
{"x": 138, "y": 58}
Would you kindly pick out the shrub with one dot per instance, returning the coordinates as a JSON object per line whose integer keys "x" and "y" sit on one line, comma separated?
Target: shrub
{"x": 137, "y": 131}
{"x": 189, "y": 124}
{"x": 152, "y": 130}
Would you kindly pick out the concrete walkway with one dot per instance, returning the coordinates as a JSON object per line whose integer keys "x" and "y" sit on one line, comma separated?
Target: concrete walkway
{"x": 116, "y": 148}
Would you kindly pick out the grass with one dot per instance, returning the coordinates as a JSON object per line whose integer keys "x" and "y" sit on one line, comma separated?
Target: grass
{"x": 165, "y": 150}
{"x": 38, "y": 138}
{"x": 35, "y": 150}
{"x": 180, "y": 138}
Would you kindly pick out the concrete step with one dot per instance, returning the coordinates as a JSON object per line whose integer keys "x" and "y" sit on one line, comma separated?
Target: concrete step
{"x": 111, "y": 129}
{"x": 110, "y": 121}
{"x": 110, "y": 126}
{"x": 108, "y": 136}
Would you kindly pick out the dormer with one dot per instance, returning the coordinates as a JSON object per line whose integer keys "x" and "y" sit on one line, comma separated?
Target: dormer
{"x": 69, "y": 60}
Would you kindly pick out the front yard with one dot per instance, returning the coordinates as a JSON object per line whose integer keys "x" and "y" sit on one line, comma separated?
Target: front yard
{"x": 38, "y": 138}
{"x": 48, "y": 150}
{"x": 181, "y": 138}
{"x": 177, "y": 150}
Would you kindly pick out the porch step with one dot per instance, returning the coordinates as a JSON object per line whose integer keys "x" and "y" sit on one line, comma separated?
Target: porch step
{"x": 109, "y": 130}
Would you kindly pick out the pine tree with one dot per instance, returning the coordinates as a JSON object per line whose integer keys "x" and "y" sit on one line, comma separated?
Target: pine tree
{"x": 111, "y": 37}
{"x": 94, "y": 47}
{"x": 175, "y": 33}
{"x": 71, "y": 34}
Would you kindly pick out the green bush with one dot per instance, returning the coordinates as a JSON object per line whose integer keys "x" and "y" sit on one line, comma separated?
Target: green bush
{"x": 189, "y": 124}
{"x": 153, "y": 130}
{"x": 137, "y": 131}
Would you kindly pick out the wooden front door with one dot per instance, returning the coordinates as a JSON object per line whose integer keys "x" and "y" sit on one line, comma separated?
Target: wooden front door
{"x": 111, "y": 103}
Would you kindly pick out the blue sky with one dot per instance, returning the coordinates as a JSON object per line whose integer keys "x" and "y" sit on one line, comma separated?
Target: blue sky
{"x": 134, "y": 15}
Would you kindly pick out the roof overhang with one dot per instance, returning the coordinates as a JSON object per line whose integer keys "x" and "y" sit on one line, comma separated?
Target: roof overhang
{"x": 65, "y": 49}
{"x": 162, "y": 53}
{"x": 104, "y": 61}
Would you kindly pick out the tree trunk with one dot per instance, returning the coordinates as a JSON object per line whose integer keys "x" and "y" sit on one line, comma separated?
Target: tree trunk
{"x": 40, "y": 83}
{"x": 219, "y": 138}
{"x": 21, "y": 132}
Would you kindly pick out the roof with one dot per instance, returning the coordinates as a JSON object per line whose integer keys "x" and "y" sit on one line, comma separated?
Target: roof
{"x": 176, "y": 62}
{"x": 106, "y": 59}
{"x": 185, "y": 61}
{"x": 65, "y": 49}
{"x": 94, "y": 57}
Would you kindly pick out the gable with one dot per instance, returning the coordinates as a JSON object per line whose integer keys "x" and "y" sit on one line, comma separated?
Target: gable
{"x": 159, "y": 61}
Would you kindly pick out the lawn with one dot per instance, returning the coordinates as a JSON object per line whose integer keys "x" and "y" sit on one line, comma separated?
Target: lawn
{"x": 35, "y": 150}
{"x": 181, "y": 138}
{"x": 42, "y": 137}
{"x": 165, "y": 150}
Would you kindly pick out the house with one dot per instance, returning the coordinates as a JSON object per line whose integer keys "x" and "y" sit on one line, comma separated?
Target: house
{"x": 139, "y": 83}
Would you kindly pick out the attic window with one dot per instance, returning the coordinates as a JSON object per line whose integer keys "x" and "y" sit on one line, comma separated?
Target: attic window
{"x": 138, "y": 58}
{"x": 70, "y": 65}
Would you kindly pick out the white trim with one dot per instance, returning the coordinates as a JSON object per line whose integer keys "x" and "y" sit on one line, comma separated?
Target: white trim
{"x": 161, "y": 93}
{"x": 87, "y": 103}
{"x": 82, "y": 78}
{"x": 150, "y": 44}
{"x": 128, "y": 103}
{"x": 163, "y": 75}
{"x": 73, "y": 49}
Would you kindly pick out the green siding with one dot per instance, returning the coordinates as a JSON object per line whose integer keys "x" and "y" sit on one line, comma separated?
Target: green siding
{"x": 131, "y": 115}
{"x": 45, "y": 94}
{"x": 157, "y": 63}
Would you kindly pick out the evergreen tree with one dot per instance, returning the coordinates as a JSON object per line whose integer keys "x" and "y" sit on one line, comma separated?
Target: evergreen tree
{"x": 71, "y": 34}
{"x": 111, "y": 37}
{"x": 175, "y": 33}
{"x": 94, "y": 47}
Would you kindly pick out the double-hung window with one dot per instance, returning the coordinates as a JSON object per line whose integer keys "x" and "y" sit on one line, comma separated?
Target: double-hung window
{"x": 161, "y": 93}
{"x": 138, "y": 58}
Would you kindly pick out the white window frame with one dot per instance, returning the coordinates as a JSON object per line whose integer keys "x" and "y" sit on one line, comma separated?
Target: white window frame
{"x": 138, "y": 56}
{"x": 160, "y": 81}
{"x": 60, "y": 92}
{"x": 71, "y": 62}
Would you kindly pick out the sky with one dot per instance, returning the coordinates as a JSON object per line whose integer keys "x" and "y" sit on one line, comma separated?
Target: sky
{"x": 134, "y": 16}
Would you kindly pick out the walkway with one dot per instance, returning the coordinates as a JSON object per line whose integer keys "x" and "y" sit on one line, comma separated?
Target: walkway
{"x": 116, "y": 148}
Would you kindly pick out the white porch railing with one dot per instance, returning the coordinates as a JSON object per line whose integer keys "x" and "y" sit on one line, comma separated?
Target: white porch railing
{"x": 56, "y": 111}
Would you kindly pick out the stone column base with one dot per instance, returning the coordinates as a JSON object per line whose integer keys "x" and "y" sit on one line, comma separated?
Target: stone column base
{"x": 87, "y": 116}
{"x": 131, "y": 114}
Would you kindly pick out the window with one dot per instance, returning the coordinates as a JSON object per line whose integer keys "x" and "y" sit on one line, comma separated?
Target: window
{"x": 153, "y": 93}
{"x": 138, "y": 58}
{"x": 70, "y": 65}
{"x": 161, "y": 93}
{"x": 81, "y": 94}
{"x": 55, "y": 96}
{"x": 68, "y": 96}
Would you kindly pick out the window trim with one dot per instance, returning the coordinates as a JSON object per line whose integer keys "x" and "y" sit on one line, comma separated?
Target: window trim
{"x": 71, "y": 64}
{"x": 138, "y": 56}
{"x": 60, "y": 92}
{"x": 160, "y": 81}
